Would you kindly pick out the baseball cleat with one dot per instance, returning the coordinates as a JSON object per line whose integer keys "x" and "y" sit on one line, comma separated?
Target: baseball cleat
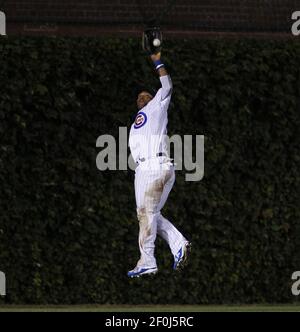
{"x": 139, "y": 271}
{"x": 181, "y": 257}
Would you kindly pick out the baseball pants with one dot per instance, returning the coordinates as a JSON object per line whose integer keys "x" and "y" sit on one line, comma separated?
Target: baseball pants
{"x": 152, "y": 187}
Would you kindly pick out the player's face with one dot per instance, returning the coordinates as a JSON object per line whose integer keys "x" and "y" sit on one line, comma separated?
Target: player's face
{"x": 143, "y": 99}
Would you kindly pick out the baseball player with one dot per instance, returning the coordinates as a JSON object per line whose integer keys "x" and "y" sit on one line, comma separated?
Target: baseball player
{"x": 154, "y": 175}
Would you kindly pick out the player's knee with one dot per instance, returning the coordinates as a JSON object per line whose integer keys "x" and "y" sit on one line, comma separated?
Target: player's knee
{"x": 152, "y": 214}
{"x": 145, "y": 212}
{"x": 141, "y": 213}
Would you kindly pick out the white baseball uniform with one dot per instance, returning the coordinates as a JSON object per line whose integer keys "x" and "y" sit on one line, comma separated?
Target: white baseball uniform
{"x": 154, "y": 175}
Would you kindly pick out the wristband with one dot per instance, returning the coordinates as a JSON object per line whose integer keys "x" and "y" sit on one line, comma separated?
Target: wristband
{"x": 158, "y": 64}
{"x": 157, "y": 67}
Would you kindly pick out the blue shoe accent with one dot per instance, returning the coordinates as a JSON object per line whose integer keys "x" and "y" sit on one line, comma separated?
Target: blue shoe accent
{"x": 136, "y": 272}
{"x": 181, "y": 256}
{"x": 177, "y": 258}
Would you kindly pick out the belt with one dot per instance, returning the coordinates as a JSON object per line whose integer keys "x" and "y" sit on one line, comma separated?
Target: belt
{"x": 160, "y": 154}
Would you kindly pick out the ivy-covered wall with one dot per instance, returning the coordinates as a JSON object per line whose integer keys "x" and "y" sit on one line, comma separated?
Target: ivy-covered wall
{"x": 68, "y": 232}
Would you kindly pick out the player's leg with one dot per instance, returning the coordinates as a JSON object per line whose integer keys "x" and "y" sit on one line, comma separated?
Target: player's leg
{"x": 170, "y": 234}
{"x": 179, "y": 245}
{"x": 177, "y": 242}
{"x": 147, "y": 200}
{"x": 164, "y": 227}
{"x": 147, "y": 236}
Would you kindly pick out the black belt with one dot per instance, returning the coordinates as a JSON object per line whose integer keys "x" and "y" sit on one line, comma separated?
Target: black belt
{"x": 160, "y": 154}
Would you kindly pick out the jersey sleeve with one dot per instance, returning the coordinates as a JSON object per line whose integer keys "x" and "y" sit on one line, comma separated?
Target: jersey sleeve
{"x": 163, "y": 95}
{"x": 166, "y": 87}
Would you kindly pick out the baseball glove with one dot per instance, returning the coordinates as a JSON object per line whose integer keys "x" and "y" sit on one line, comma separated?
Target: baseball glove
{"x": 150, "y": 35}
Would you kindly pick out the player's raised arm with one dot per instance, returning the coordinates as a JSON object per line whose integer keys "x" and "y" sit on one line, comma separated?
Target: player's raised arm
{"x": 165, "y": 78}
{"x": 159, "y": 66}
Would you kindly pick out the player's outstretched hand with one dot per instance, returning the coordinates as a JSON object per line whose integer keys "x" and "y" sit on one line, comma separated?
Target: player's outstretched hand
{"x": 155, "y": 57}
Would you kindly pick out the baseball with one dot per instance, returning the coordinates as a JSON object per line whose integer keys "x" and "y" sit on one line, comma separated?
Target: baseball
{"x": 156, "y": 42}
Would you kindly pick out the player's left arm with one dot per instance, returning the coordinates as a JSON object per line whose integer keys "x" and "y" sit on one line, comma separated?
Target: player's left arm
{"x": 165, "y": 79}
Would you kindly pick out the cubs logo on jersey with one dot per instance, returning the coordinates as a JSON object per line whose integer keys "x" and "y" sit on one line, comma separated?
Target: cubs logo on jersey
{"x": 140, "y": 120}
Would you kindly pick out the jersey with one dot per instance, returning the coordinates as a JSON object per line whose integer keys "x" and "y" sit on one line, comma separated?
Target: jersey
{"x": 147, "y": 136}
